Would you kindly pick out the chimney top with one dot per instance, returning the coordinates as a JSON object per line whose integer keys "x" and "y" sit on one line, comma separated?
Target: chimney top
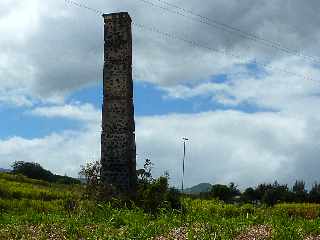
{"x": 118, "y": 15}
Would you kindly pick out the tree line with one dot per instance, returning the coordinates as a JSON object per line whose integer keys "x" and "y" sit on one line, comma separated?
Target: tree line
{"x": 155, "y": 192}
{"x": 265, "y": 193}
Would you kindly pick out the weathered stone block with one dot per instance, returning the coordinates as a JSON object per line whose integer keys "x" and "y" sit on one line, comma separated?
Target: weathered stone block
{"x": 118, "y": 86}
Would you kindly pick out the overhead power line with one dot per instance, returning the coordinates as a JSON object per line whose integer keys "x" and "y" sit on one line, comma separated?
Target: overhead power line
{"x": 228, "y": 28}
{"x": 196, "y": 43}
{"x": 201, "y": 45}
{"x": 84, "y": 6}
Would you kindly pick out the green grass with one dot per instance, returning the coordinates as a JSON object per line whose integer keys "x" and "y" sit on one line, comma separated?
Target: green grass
{"x": 32, "y": 209}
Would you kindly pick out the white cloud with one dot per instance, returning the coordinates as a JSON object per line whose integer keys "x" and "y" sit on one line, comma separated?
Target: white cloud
{"x": 85, "y": 112}
{"x": 49, "y": 49}
{"x": 224, "y": 146}
{"x": 229, "y": 146}
{"x": 14, "y": 18}
{"x": 55, "y": 48}
{"x": 276, "y": 89}
{"x": 61, "y": 152}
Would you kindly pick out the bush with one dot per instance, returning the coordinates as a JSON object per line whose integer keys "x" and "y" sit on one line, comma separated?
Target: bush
{"x": 156, "y": 195}
{"x": 152, "y": 194}
{"x": 95, "y": 189}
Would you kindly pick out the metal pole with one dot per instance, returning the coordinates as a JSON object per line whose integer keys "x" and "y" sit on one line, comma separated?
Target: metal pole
{"x": 183, "y": 162}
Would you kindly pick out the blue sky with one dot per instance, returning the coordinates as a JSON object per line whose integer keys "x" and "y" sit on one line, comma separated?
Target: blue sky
{"x": 149, "y": 100}
{"x": 251, "y": 114}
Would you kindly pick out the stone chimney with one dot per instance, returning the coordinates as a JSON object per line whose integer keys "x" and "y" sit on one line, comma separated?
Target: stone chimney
{"x": 118, "y": 150}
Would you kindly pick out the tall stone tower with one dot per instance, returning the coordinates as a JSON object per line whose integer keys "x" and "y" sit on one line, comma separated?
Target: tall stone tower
{"x": 118, "y": 151}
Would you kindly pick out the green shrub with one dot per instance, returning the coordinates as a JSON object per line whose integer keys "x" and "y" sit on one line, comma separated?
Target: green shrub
{"x": 156, "y": 195}
{"x": 95, "y": 189}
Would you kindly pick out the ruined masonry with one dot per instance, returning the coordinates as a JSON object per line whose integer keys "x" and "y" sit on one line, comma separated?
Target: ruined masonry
{"x": 118, "y": 152}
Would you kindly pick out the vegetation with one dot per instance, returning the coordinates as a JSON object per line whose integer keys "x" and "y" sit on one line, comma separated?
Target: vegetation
{"x": 265, "y": 193}
{"x": 225, "y": 193}
{"x": 33, "y": 209}
{"x": 35, "y": 171}
{"x": 152, "y": 195}
{"x": 38, "y": 209}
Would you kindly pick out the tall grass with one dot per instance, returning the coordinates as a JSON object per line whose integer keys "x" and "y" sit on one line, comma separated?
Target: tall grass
{"x": 32, "y": 209}
{"x": 19, "y": 190}
{"x": 22, "y": 179}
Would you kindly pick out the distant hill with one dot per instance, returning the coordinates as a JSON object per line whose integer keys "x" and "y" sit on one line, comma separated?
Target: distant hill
{"x": 5, "y": 170}
{"x": 202, "y": 187}
{"x": 36, "y": 171}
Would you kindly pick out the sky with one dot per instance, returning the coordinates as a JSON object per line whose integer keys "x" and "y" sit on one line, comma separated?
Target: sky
{"x": 245, "y": 92}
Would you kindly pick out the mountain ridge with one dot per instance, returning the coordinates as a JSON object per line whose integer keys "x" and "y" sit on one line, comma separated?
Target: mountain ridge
{"x": 199, "y": 188}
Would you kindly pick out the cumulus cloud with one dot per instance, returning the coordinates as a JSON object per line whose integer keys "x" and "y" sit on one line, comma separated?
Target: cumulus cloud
{"x": 230, "y": 146}
{"x": 51, "y": 48}
{"x": 62, "y": 152}
{"x": 85, "y": 112}
{"x": 224, "y": 146}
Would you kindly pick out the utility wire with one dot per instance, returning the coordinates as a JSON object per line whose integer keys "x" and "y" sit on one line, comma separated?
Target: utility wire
{"x": 194, "y": 43}
{"x": 201, "y": 45}
{"x": 228, "y": 28}
{"x": 84, "y": 6}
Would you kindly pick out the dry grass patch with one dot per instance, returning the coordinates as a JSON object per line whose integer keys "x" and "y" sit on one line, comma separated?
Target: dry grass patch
{"x": 175, "y": 234}
{"x": 313, "y": 238}
{"x": 259, "y": 232}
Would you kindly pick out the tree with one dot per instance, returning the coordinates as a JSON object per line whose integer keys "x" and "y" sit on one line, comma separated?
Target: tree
{"x": 32, "y": 170}
{"x": 224, "y": 192}
{"x": 36, "y": 171}
{"x": 314, "y": 194}
{"x": 273, "y": 193}
{"x": 261, "y": 189}
{"x": 300, "y": 194}
{"x": 144, "y": 175}
{"x": 234, "y": 189}
{"x": 220, "y": 191}
{"x": 249, "y": 195}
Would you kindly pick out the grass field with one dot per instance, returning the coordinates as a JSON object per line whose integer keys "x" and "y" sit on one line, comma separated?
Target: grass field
{"x": 32, "y": 209}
